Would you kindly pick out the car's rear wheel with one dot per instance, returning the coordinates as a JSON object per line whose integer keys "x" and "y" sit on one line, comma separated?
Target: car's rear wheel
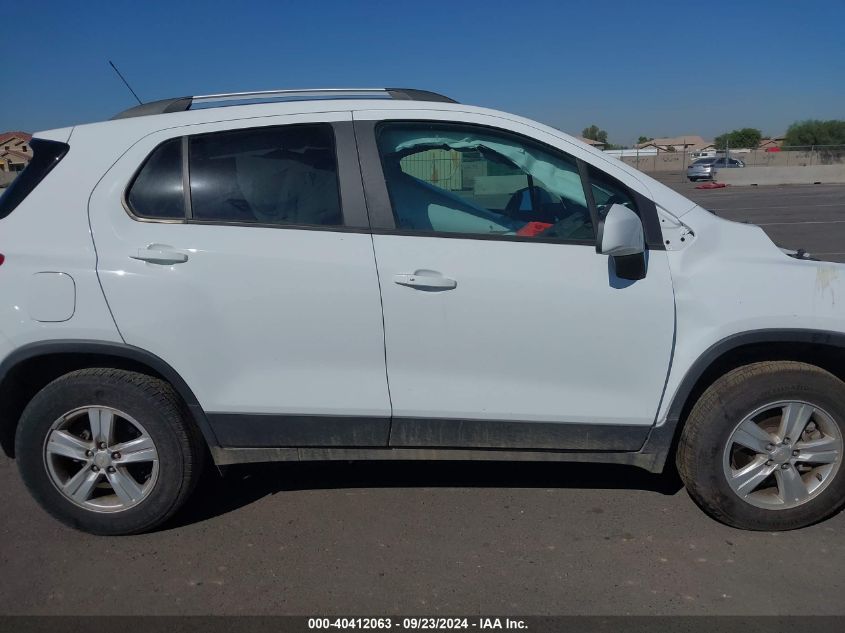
{"x": 108, "y": 451}
{"x": 763, "y": 446}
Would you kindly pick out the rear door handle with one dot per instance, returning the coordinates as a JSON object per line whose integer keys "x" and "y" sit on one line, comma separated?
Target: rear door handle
{"x": 159, "y": 254}
{"x": 425, "y": 280}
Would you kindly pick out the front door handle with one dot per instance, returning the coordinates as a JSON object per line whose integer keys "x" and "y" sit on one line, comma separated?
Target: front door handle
{"x": 425, "y": 280}
{"x": 160, "y": 254}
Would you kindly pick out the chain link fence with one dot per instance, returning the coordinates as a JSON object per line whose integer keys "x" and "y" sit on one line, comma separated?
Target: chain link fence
{"x": 787, "y": 156}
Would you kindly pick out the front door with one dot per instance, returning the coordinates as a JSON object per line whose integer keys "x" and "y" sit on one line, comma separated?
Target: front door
{"x": 503, "y": 325}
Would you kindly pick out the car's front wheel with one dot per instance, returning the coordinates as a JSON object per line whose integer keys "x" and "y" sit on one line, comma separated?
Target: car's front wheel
{"x": 762, "y": 448}
{"x": 108, "y": 451}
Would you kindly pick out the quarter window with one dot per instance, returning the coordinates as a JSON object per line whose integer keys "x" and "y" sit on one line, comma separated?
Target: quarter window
{"x": 471, "y": 180}
{"x": 279, "y": 175}
{"x": 157, "y": 191}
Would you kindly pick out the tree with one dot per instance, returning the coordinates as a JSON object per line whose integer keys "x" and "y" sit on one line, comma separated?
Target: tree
{"x": 644, "y": 139}
{"x": 594, "y": 133}
{"x": 814, "y": 132}
{"x": 747, "y": 137}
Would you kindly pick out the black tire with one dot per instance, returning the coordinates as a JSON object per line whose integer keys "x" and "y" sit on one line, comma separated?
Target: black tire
{"x": 714, "y": 417}
{"x": 151, "y": 402}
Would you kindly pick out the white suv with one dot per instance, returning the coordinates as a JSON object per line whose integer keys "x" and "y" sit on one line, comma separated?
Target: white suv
{"x": 388, "y": 274}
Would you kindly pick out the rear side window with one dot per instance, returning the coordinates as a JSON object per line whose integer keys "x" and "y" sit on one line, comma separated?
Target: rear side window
{"x": 275, "y": 175}
{"x": 157, "y": 191}
{"x": 47, "y": 155}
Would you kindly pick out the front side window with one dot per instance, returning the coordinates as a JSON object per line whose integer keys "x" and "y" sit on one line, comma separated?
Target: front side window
{"x": 608, "y": 191}
{"x": 452, "y": 178}
{"x": 278, "y": 175}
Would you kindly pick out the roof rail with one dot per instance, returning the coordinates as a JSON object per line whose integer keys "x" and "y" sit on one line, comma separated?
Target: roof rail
{"x": 181, "y": 104}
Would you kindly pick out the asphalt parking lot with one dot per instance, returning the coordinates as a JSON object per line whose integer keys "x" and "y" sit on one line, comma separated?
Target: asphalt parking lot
{"x": 444, "y": 538}
{"x": 811, "y": 217}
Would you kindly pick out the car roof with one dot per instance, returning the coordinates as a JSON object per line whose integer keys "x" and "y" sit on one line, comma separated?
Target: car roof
{"x": 238, "y": 111}
{"x": 181, "y": 104}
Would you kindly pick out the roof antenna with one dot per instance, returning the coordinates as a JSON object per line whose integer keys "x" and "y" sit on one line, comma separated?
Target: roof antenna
{"x": 123, "y": 79}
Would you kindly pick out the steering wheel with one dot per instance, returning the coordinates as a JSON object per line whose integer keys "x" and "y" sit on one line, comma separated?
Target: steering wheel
{"x": 548, "y": 207}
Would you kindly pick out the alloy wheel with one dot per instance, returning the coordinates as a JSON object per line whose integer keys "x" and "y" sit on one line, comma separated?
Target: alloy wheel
{"x": 101, "y": 459}
{"x": 783, "y": 454}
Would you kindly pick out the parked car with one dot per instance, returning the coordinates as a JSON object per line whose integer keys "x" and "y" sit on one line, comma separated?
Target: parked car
{"x": 387, "y": 274}
{"x": 706, "y": 168}
{"x": 702, "y": 169}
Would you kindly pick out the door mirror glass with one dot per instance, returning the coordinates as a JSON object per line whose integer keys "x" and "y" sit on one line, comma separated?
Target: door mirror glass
{"x": 621, "y": 233}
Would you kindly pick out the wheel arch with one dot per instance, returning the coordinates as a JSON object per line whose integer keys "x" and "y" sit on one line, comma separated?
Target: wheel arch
{"x": 816, "y": 347}
{"x": 29, "y": 368}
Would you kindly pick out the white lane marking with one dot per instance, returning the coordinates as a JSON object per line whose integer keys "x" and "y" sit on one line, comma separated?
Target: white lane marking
{"x": 799, "y": 222}
{"x": 785, "y": 206}
{"x": 723, "y": 194}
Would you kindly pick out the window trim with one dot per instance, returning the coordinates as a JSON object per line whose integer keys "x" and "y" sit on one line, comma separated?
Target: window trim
{"x": 347, "y": 175}
{"x": 380, "y": 207}
{"x": 598, "y": 223}
{"x": 187, "y": 202}
{"x": 482, "y": 236}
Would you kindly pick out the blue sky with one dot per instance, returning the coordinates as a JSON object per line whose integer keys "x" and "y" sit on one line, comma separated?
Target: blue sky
{"x": 655, "y": 68}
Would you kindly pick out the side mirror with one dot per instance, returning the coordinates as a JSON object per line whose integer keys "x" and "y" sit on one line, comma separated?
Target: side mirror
{"x": 621, "y": 236}
{"x": 621, "y": 232}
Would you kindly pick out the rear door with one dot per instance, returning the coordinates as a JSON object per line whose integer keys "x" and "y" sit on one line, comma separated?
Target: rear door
{"x": 259, "y": 286}
{"x": 504, "y": 327}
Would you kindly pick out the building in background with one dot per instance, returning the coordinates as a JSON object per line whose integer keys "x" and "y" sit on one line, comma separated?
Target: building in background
{"x": 589, "y": 141}
{"x": 771, "y": 144}
{"x": 688, "y": 143}
{"x": 15, "y": 154}
{"x": 632, "y": 152}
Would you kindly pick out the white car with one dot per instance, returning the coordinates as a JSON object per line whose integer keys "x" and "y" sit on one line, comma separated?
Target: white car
{"x": 389, "y": 274}
{"x": 704, "y": 153}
